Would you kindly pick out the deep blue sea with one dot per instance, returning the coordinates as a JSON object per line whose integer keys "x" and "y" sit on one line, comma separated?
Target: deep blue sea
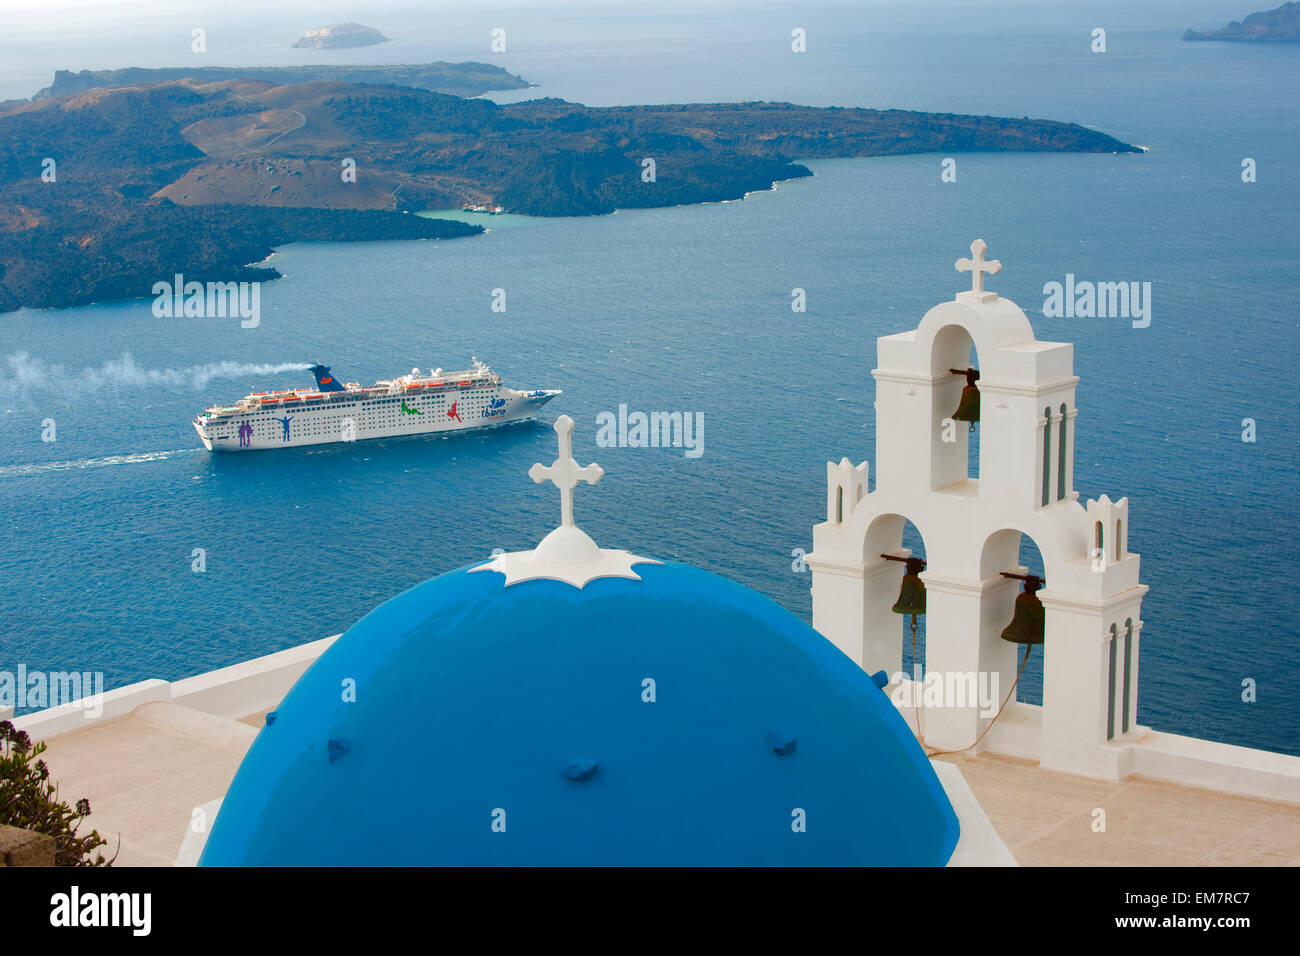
{"x": 688, "y": 309}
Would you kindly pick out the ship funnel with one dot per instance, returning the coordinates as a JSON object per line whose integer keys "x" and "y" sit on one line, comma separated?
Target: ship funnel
{"x": 325, "y": 381}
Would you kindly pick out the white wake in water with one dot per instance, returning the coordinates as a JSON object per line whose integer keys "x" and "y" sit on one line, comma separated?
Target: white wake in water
{"x": 20, "y": 372}
{"x": 40, "y": 468}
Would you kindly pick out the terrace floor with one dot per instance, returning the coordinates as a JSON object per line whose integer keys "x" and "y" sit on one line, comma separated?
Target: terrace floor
{"x": 1046, "y": 819}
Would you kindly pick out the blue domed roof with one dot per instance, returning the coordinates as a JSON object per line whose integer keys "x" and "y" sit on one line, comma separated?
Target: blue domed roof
{"x": 678, "y": 719}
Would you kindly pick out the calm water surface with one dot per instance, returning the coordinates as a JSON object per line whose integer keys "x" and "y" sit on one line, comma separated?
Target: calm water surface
{"x": 688, "y": 309}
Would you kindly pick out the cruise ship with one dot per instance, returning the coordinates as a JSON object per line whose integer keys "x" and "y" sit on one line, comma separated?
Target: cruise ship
{"x": 414, "y": 404}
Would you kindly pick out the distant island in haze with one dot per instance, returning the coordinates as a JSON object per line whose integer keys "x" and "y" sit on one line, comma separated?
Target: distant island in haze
{"x": 202, "y": 175}
{"x": 340, "y": 36}
{"x": 1272, "y": 26}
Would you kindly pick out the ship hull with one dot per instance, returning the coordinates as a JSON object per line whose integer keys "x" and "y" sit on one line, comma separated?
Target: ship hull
{"x": 340, "y": 419}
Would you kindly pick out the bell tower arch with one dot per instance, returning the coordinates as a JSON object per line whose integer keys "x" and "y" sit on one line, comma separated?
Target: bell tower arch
{"x": 1024, "y": 408}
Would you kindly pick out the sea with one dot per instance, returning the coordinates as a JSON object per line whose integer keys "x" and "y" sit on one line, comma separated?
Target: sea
{"x": 103, "y": 529}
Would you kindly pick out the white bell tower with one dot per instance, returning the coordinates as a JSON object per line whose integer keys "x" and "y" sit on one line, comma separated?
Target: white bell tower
{"x": 972, "y": 526}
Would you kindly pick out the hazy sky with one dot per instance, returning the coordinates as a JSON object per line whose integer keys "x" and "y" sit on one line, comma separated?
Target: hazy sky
{"x": 38, "y": 37}
{"x": 315, "y": 11}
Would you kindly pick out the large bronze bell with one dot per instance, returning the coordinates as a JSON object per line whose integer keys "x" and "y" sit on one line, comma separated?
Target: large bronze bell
{"x": 968, "y": 408}
{"x": 1029, "y": 620}
{"x": 911, "y": 596}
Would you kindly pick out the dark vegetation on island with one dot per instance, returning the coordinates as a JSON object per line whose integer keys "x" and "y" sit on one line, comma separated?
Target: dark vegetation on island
{"x": 203, "y": 178}
{"x": 1270, "y": 26}
{"x": 455, "y": 79}
{"x": 98, "y": 247}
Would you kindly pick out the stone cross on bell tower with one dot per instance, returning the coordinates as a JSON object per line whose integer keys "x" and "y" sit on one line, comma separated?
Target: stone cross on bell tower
{"x": 978, "y": 267}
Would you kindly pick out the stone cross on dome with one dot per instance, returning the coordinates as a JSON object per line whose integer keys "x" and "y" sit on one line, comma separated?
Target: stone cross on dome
{"x": 566, "y": 554}
{"x": 977, "y": 266}
{"x": 565, "y": 473}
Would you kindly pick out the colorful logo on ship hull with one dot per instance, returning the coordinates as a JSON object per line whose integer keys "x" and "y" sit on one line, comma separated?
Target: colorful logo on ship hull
{"x": 452, "y": 413}
{"x": 285, "y": 422}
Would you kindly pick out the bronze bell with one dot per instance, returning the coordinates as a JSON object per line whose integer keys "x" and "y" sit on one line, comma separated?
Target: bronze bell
{"x": 1028, "y": 621}
{"x": 968, "y": 409}
{"x": 911, "y": 596}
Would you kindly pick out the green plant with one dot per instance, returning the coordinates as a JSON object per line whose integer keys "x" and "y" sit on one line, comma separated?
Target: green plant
{"x": 28, "y": 800}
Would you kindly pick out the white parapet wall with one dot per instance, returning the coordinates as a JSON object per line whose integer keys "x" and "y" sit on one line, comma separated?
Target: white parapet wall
{"x": 80, "y": 714}
{"x": 249, "y": 687}
{"x": 1215, "y": 766}
{"x": 1188, "y": 761}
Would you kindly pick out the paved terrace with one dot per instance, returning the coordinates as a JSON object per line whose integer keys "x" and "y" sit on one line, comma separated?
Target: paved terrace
{"x": 144, "y": 773}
